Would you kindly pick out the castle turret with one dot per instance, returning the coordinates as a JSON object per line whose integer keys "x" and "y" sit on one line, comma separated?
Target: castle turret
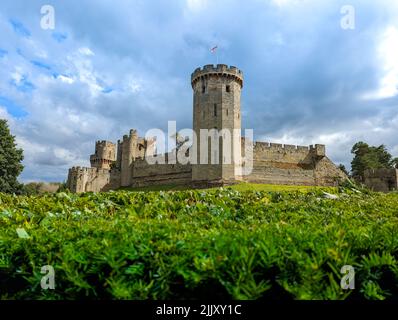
{"x": 105, "y": 155}
{"x": 130, "y": 148}
{"x": 216, "y": 107}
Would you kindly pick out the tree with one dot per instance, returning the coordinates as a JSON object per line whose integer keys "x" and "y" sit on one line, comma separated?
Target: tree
{"x": 369, "y": 157}
{"x": 343, "y": 168}
{"x": 10, "y": 161}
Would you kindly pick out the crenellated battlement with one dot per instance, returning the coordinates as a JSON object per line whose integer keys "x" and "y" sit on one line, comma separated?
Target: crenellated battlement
{"x": 133, "y": 134}
{"x": 104, "y": 144}
{"x": 80, "y": 170}
{"x": 318, "y": 149}
{"x": 134, "y": 137}
{"x": 219, "y": 70}
{"x": 279, "y": 146}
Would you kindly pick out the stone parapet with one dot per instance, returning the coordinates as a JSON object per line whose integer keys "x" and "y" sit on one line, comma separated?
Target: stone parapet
{"x": 220, "y": 70}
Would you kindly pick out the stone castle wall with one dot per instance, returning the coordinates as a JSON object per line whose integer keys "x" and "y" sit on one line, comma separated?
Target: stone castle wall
{"x": 145, "y": 174}
{"x": 89, "y": 180}
{"x": 383, "y": 180}
{"x": 275, "y": 163}
{"x": 141, "y": 174}
{"x": 272, "y": 164}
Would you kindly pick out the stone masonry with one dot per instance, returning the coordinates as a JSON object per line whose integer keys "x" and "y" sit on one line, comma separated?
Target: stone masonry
{"x": 383, "y": 180}
{"x": 216, "y": 106}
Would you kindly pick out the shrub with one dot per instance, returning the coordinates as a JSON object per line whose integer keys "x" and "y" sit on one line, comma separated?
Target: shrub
{"x": 199, "y": 244}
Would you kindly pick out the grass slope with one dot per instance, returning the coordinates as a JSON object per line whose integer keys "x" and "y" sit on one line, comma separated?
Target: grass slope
{"x": 268, "y": 243}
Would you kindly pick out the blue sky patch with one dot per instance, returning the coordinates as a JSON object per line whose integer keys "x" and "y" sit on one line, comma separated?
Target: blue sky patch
{"x": 3, "y": 53}
{"x": 40, "y": 65}
{"x": 19, "y": 52}
{"x": 24, "y": 85}
{"x": 12, "y": 108}
{"x": 19, "y": 28}
{"x": 59, "y": 37}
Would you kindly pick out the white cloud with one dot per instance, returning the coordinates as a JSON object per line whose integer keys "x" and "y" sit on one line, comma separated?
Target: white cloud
{"x": 80, "y": 65}
{"x": 30, "y": 147}
{"x": 285, "y": 3}
{"x": 17, "y": 75}
{"x": 86, "y": 51}
{"x": 4, "y": 114}
{"x": 388, "y": 50}
{"x": 35, "y": 48}
{"x": 134, "y": 85}
{"x": 64, "y": 154}
{"x": 66, "y": 79}
{"x": 197, "y": 5}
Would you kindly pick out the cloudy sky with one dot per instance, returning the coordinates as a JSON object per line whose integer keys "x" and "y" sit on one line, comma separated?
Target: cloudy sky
{"x": 109, "y": 67}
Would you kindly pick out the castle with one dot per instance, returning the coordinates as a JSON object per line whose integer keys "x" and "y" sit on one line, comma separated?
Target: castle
{"x": 216, "y": 105}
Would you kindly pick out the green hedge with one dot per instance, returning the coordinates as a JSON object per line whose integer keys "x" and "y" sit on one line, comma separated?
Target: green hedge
{"x": 200, "y": 244}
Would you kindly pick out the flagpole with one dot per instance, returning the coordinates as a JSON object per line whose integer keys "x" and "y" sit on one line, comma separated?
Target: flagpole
{"x": 214, "y": 50}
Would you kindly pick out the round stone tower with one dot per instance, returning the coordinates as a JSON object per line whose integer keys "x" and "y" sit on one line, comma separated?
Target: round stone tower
{"x": 105, "y": 155}
{"x": 216, "y": 110}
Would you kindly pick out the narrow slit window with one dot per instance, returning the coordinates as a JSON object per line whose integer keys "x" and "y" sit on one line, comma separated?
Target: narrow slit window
{"x": 227, "y": 111}
{"x": 228, "y": 88}
{"x": 215, "y": 110}
{"x": 203, "y": 89}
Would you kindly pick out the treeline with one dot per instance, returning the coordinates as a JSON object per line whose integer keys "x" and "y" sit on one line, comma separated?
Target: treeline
{"x": 37, "y": 188}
